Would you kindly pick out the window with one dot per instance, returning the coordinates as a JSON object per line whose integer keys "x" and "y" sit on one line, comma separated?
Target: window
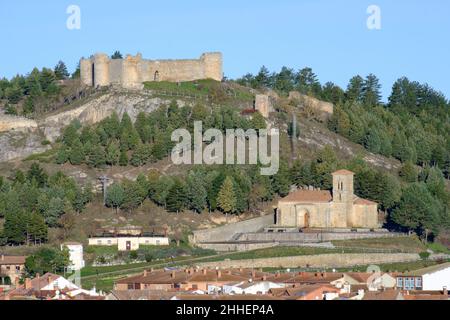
{"x": 99, "y": 241}
{"x": 17, "y": 268}
{"x": 400, "y": 282}
{"x": 109, "y": 241}
{"x": 418, "y": 282}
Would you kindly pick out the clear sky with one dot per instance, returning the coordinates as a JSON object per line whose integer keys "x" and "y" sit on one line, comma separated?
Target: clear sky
{"x": 330, "y": 36}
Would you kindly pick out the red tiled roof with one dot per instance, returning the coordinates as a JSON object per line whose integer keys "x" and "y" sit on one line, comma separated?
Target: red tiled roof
{"x": 308, "y": 196}
{"x": 12, "y": 259}
{"x": 343, "y": 172}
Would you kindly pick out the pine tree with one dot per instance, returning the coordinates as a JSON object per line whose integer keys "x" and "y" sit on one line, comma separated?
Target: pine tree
{"x": 226, "y": 199}
{"x": 115, "y": 196}
{"x": 116, "y": 55}
{"x": 76, "y": 153}
{"x": 371, "y": 95}
{"x": 196, "y": 192}
{"x": 61, "y": 71}
{"x": 354, "y": 91}
{"x": 177, "y": 197}
{"x": 123, "y": 159}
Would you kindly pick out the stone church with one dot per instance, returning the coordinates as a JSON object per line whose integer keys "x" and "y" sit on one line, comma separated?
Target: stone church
{"x": 339, "y": 208}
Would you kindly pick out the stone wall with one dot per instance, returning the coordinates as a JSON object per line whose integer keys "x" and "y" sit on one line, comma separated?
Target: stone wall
{"x": 316, "y": 261}
{"x": 313, "y": 236}
{"x": 227, "y": 232}
{"x": 132, "y": 71}
{"x": 312, "y": 102}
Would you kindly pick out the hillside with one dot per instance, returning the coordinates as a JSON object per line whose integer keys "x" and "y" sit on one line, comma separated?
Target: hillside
{"x": 51, "y": 139}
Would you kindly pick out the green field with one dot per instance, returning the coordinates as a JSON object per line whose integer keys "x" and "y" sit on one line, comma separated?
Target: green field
{"x": 400, "y": 244}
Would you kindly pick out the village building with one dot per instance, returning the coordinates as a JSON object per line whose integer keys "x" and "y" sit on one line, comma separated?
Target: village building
{"x": 128, "y": 239}
{"x": 435, "y": 277}
{"x": 11, "y": 269}
{"x": 339, "y": 208}
{"x": 75, "y": 255}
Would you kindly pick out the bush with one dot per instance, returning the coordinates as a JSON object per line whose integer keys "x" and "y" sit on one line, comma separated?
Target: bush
{"x": 424, "y": 255}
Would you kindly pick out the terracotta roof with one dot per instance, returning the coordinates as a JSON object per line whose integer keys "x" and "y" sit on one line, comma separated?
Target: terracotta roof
{"x": 360, "y": 277}
{"x": 305, "y": 277}
{"x": 12, "y": 260}
{"x": 308, "y": 196}
{"x": 301, "y": 290}
{"x": 193, "y": 275}
{"x": 343, "y": 172}
{"x": 383, "y": 295}
{"x": 364, "y": 202}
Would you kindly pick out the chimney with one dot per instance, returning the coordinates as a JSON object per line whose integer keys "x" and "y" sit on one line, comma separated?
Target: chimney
{"x": 240, "y": 270}
{"x": 445, "y": 291}
{"x": 172, "y": 275}
{"x": 3, "y": 257}
{"x": 277, "y": 275}
{"x": 151, "y": 270}
{"x": 253, "y": 274}
{"x": 27, "y": 283}
{"x": 204, "y": 271}
{"x": 219, "y": 274}
{"x": 145, "y": 273}
{"x": 264, "y": 278}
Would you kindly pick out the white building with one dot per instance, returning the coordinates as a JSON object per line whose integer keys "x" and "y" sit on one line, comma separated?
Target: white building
{"x": 128, "y": 243}
{"x": 248, "y": 287}
{"x": 75, "y": 255}
{"x": 432, "y": 278}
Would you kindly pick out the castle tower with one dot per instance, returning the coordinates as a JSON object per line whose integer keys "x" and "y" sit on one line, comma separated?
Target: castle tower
{"x": 131, "y": 71}
{"x": 86, "y": 75}
{"x": 212, "y": 65}
{"x": 101, "y": 70}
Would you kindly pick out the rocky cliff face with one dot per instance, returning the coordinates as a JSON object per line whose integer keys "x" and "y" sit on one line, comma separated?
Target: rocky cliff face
{"x": 21, "y": 137}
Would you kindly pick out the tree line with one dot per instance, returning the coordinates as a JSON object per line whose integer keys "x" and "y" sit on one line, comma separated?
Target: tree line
{"x": 116, "y": 141}
{"x": 32, "y": 201}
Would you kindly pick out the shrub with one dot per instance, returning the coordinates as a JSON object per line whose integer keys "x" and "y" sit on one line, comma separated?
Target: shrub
{"x": 424, "y": 255}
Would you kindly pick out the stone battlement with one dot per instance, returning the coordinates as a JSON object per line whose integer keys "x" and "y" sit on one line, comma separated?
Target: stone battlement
{"x": 132, "y": 71}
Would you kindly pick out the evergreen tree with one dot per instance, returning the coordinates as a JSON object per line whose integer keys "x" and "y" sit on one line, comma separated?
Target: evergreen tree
{"x": 196, "y": 192}
{"x": 116, "y": 55}
{"x": 115, "y": 196}
{"x": 123, "y": 159}
{"x": 371, "y": 95}
{"x": 61, "y": 71}
{"x": 354, "y": 91}
{"x": 177, "y": 197}
{"x": 226, "y": 199}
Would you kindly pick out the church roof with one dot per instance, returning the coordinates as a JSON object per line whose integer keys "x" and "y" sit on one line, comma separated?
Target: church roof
{"x": 308, "y": 196}
{"x": 343, "y": 172}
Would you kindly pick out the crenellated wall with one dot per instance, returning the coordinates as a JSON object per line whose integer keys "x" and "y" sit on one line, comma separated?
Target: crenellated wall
{"x": 132, "y": 71}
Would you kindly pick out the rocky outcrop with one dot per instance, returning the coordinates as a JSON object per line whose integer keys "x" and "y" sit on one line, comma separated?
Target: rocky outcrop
{"x": 21, "y": 137}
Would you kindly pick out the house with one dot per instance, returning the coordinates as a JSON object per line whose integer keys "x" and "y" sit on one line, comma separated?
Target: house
{"x": 339, "y": 208}
{"x": 390, "y": 294}
{"x": 206, "y": 280}
{"x": 128, "y": 239}
{"x": 307, "y": 292}
{"x": 434, "y": 277}
{"x": 49, "y": 287}
{"x": 75, "y": 255}
{"x": 426, "y": 295}
{"x": 11, "y": 268}
{"x": 251, "y": 287}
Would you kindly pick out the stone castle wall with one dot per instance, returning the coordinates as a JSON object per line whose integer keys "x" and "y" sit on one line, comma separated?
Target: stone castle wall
{"x": 132, "y": 71}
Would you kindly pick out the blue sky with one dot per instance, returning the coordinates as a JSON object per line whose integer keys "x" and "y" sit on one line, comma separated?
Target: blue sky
{"x": 329, "y": 36}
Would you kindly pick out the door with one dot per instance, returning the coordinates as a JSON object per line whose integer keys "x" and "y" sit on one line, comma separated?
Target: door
{"x": 306, "y": 219}
{"x": 128, "y": 245}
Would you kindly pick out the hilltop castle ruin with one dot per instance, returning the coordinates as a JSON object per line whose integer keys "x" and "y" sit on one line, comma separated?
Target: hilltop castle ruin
{"x": 132, "y": 71}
